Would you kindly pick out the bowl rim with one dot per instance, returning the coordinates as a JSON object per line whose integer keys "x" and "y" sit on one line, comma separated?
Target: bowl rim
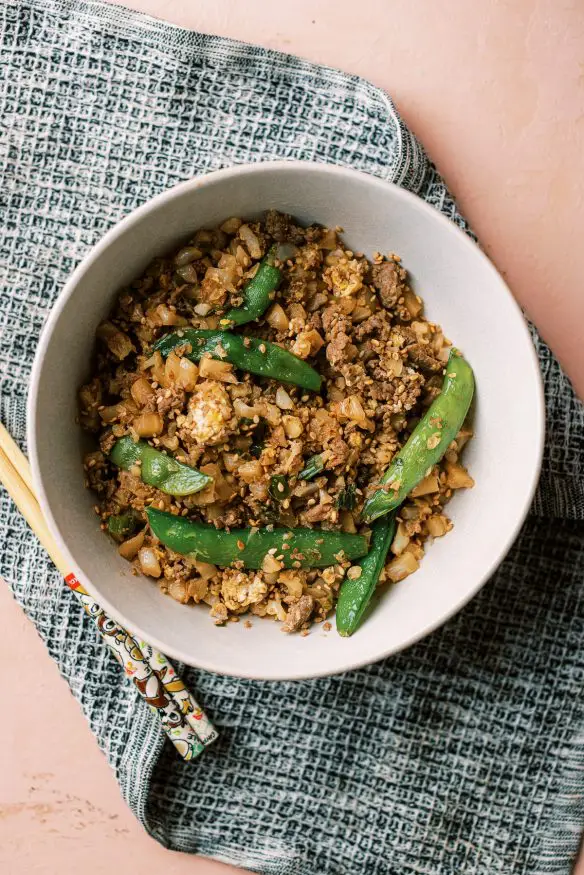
{"x": 134, "y": 217}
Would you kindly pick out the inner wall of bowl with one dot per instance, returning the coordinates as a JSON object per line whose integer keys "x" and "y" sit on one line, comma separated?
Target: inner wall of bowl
{"x": 461, "y": 291}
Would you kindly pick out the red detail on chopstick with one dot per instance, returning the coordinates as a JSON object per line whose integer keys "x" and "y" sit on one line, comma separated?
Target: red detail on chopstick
{"x": 72, "y": 582}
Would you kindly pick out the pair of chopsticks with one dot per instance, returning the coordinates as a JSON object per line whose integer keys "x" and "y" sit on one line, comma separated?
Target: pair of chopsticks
{"x": 185, "y": 723}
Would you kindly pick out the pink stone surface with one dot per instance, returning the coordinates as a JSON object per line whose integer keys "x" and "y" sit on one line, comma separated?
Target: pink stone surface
{"x": 496, "y": 93}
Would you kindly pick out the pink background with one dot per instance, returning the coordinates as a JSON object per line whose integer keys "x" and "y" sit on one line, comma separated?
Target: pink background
{"x": 496, "y": 93}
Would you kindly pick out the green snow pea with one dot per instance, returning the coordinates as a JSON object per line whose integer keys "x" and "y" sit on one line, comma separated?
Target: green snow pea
{"x": 429, "y": 440}
{"x": 355, "y": 594}
{"x": 250, "y": 354}
{"x": 296, "y": 548}
{"x": 257, "y": 293}
{"x": 122, "y": 525}
{"x": 157, "y": 469}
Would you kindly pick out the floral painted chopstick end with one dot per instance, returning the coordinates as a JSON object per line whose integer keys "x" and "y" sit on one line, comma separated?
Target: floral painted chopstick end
{"x": 190, "y": 709}
{"x": 186, "y": 725}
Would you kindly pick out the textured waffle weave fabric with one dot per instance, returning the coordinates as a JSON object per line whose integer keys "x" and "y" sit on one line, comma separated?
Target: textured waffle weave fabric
{"x": 464, "y": 754}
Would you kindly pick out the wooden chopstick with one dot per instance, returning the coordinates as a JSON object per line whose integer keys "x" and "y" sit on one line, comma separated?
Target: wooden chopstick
{"x": 16, "y": 457}
{"x": 29, "y": 508}
{"x": 186, "y": 724}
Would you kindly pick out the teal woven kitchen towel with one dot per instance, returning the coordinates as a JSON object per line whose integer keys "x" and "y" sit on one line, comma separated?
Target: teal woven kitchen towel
{"x": 462, "y": 755}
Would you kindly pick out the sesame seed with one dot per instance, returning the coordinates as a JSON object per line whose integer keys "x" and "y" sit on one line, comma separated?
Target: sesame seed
{"x": 433, "y": 441}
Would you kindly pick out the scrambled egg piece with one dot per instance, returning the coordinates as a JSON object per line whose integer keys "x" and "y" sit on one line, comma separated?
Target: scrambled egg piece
{"x": 239, "y": 590}
{"x": 210, "y": 412}
{"x": 344, "y": 278}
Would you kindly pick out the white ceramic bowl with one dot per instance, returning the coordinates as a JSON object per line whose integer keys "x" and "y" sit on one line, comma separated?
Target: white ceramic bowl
{"x": 462, "y": 291}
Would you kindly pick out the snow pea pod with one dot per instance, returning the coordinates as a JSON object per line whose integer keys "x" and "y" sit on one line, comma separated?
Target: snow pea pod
{"x": 122, "y": 525}
{"x": 157, "y": 469}
{"x": 295, "y": 548}
{"x": 250, "y": 354}
{"x": 257, "y": 293}
{"x": 429, "y": 440}
{"x": 356, "y": 593}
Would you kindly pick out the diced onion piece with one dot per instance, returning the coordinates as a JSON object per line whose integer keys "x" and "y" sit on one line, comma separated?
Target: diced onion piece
{"x": 186, "y": 255}
{"x": 206, "y": 569}
{"x": 361, "y": 312}
{"x": 271, "y": 413}
{"x": 250, "y": 471}
{"x": 276, "y": 609}
{"x": 283, "y": 400}
{"x": 457, "y": 477}
{"x": 284, "y": 251}
{"x": 179, "y": 591}
{"x": 148, "y": 425}
{"x": 292, "y": 426}
{"x": 416, "y": 550}
{"x": 413, "y": 306}
{"x": 188, "y": 273}
{"x": 243, "y": 410}
{"x": 170, "y": 442}
{"x": 149, "y": 562}
{"x": 166, "y": 316}
{"x": 129, "y": 549}
{"x": 231, "y": 226}
{"x": 347, "y": 522}
{"x": 316, "y": 301}
{"x": 156, "y": 364}
{"x": 402, "y": 566}
{"x": 214, "y": 370}
{"x": 351, "y": 408}
{"x": 141, "y": 391}
{"x": 301, "y": 346}
{"x": 437, "y": 525}
{"x": 197, "y": 589}
{"x": 113, "y": 412}
{"x": 90, "y": 395}
{"x": 228, "y": 265}
{"x": 394, "y": 366}
{"x": 231, "y": 461}
{"x": 187, "y": 374}
{"x": 328, "y": 239}
{"x": 251, "y": 241}
{"x": 172, "y": 368}
{"x": 292, "y": 581}
{"x": 270, "y": 564}
{"x": 463, "y": 436}
{"x": 259, "y": 490}
{"x": 117, "y": 341}
{"x": 222, "y": 488}
{"x": 400, "y": 541}
{"x": 422, "y": 329}
{"x": 276, "y": 317}
{"x": 426, "y": 486}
